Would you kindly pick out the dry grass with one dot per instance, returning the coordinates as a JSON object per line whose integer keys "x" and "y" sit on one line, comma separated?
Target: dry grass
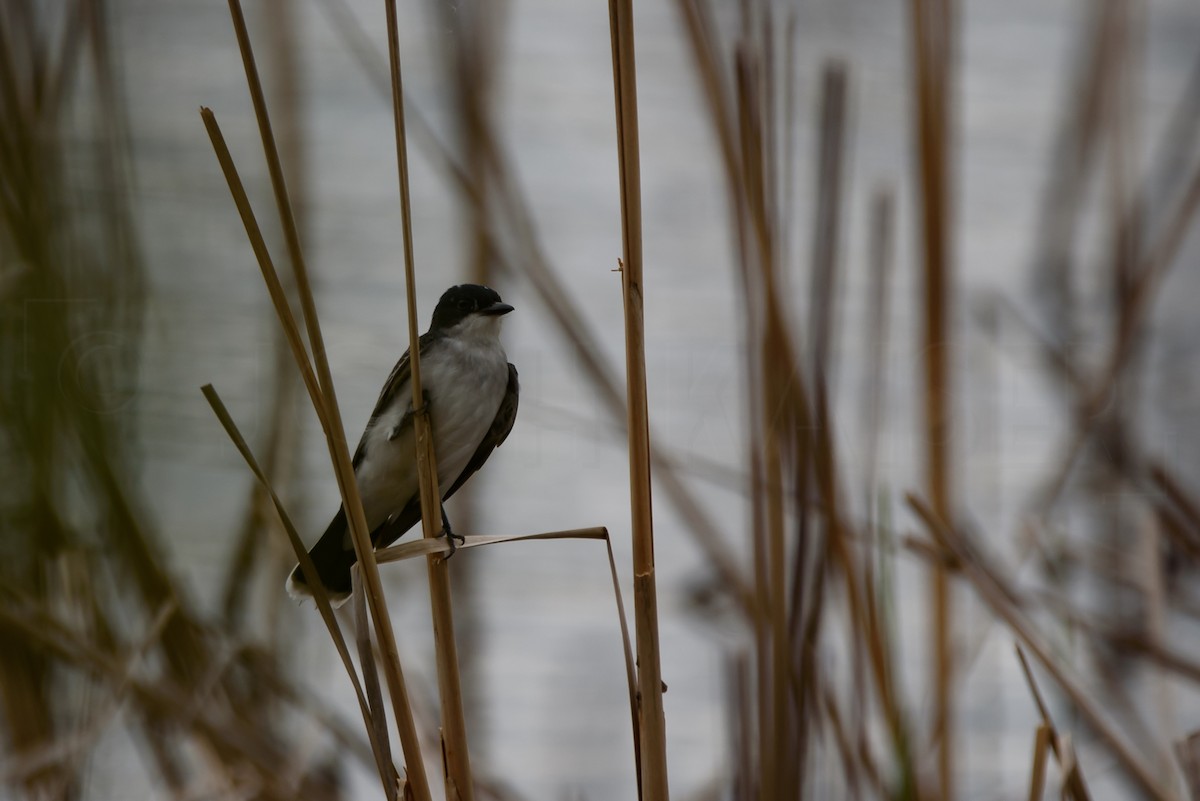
{"x": 816, "y": 699}
{"x": 934, "y": 31}
{"x": 650, "y": 744}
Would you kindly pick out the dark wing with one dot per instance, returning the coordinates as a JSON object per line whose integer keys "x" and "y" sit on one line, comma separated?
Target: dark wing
{"x": 506, "y": 415}
{"x": 387, "y": 396}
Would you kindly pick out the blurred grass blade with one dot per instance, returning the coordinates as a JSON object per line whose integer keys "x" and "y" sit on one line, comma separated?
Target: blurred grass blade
{"x": 999, "y": 597}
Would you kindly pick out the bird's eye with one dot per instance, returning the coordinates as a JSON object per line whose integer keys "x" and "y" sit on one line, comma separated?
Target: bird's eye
{"x": 465, "y": 305}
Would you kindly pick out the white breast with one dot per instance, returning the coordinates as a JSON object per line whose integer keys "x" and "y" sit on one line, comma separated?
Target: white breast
{"x": 466, "y": 381}
{"x": 465, "y": 392}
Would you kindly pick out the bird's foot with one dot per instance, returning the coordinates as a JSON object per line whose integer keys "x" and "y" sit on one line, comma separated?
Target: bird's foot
{"x": 454, "y": 540}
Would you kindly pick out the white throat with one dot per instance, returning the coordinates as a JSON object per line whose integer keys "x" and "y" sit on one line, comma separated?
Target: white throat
{"x": 477, "y": 329}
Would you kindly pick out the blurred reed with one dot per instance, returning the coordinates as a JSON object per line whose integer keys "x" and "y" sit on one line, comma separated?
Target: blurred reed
{"x": 934, "y": 31}
{"x": 817, "y": 701}
{"x": 839, "y": 572}
{"x": 96, "y": 631}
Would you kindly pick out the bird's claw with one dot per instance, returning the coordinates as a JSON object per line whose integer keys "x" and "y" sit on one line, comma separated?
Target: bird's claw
{"x": 454, "y": 541}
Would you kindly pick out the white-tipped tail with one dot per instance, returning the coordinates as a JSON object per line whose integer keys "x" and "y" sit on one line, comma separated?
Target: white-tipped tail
{"x": 301, "y": 592}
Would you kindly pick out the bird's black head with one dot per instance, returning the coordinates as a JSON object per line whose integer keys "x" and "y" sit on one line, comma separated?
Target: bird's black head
{"x": 459, "y": 302}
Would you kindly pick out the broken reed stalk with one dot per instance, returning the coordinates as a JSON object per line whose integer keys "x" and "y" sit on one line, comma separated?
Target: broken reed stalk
{"x": 334, "y": 430}
{"x": 653, "y": 758}
{"x": 933, "y": 29}
{"x": 454, "y": 739}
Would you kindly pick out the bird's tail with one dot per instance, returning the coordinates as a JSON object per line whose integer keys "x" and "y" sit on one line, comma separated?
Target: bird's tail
{"x": 333, "y": 556}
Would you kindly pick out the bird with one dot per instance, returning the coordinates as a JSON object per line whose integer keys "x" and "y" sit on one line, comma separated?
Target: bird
{"x": 471, "y": 391}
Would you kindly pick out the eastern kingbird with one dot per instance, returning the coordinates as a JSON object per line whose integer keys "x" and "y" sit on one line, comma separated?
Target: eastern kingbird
{"x": 471, "y": 391}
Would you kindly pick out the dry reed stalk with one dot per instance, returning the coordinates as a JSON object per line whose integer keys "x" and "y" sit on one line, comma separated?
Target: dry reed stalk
{"x": 1002, "y": 599}
{"x": 653, "y": 784}
{"x": 933, "y": 29}
{"x": 371, "y": 722}
{"x": 335, "y": 432}
{"x": 459, "y": 783}
{"x": 455, "y": 753}
{"x": 472, "y": 57}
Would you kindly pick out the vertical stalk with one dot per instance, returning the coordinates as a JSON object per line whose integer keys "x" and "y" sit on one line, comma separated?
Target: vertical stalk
{"x": 932, "y": 27}
{"x": 454, "y": 737}
{"x": 652, "y": 723}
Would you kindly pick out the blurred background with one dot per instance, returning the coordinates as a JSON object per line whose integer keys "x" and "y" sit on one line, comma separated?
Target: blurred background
{"x": 147, "y": 649}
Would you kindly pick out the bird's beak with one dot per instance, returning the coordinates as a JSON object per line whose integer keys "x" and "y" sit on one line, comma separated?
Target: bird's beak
{"x": 497, "y": 309}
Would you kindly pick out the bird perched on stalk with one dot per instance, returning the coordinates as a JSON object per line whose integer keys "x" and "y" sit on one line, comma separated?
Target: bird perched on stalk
{"x": 471, "y": 391}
